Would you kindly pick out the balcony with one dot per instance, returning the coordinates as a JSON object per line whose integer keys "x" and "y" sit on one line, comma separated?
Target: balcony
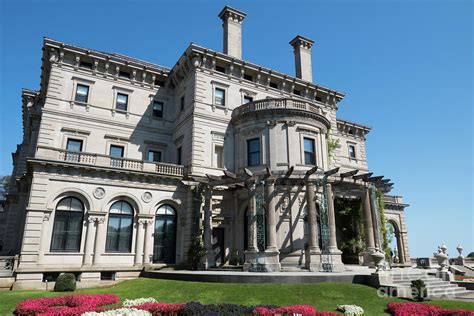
{"x": 270, "y": 104}
{"x": 98, "y": 160}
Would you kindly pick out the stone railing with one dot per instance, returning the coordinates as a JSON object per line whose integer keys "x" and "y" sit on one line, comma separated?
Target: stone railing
{"x": 56, "y": 154}
{"x": 268, "y": 104}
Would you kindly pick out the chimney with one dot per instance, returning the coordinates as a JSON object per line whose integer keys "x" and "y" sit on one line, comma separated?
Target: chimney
{"x": 232, "y": 25}
{"x": 302, "y": 46}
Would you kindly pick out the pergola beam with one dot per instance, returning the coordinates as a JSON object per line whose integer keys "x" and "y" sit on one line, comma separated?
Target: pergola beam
{"x": 289, "y": 172}
{"x": 331, "y": 172}
{"x": 373, "y": 179}
{"x": 311, "y": 171}
{"x": 349, "y": 173}
{"x": 362, "y": 176}
{"x": 229, "y": 174}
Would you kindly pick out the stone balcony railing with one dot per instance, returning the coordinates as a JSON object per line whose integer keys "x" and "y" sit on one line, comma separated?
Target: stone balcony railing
{"x": 267, "y": 104}
{"x": 91, "y": 159}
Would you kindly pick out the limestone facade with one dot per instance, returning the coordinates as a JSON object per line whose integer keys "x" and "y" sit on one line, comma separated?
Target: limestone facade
{"x": 198, "y": 149}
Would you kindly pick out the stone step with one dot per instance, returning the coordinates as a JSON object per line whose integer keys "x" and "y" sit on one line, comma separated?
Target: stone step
{"x": 428, "y": 284}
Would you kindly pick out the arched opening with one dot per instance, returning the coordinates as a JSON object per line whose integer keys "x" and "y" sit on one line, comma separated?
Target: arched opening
{"x": 164, "y": 246}
{"x": 120, "y": 227}
{"x": 67, "y": 228}
{"x": 395, "y": 242}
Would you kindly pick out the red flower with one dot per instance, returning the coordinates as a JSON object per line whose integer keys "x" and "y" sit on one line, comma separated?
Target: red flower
{"x": 416, "y": 309}
{"x": 69, "y": 305}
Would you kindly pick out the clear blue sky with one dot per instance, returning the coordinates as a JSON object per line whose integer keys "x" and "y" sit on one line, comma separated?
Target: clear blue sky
{"x": 406, "y": 66}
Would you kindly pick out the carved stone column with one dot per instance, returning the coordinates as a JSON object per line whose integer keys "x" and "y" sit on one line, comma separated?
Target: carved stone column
{"x": 208, "y": 230}
{"x": 251, "y": 251}
{"x": 139, "y": 242}
{"x": 313, "y": 262}
{"x": 149, "y": 227}
{"x": 235, "y": 229}
{"x": 100, "y": 236}
{"x": 368, "y": 229}
{"x": 90, "y": 238}
{"x": 335, "y": 253}
{"x": 272, "y": 259}
{"x": 44, "y": 243}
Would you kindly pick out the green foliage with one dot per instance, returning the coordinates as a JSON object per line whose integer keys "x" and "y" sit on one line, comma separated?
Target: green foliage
{"x": 332, "y": 144}
{"x": 65, "y": 282}
{"x": 383, "y": 229}
{"x": 470, "y": 255}
{"x": 196, "y": 253}
{"x": 349, "y": 221}
{"x": 418, "y": 289}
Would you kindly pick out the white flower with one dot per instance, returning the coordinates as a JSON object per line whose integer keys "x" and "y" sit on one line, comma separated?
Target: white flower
{"x": 351, "y": 310}
{"x": 120, "y": 312}
{"x": 138, "y": 301}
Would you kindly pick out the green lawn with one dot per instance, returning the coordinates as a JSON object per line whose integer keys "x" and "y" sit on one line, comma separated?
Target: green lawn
{"x": 323, "y": 296}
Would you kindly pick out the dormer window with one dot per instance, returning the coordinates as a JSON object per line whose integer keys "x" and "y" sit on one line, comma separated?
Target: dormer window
{"x": 82, "y": 93}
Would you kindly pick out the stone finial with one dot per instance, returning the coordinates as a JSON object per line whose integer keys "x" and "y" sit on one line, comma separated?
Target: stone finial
{"x": 233, "y": 14}
{"x": 302, "y": 50}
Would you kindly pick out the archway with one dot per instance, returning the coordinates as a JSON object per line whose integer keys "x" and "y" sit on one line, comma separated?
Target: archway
{"x": 164, "y": 246}
{"x": 395, "y": 242}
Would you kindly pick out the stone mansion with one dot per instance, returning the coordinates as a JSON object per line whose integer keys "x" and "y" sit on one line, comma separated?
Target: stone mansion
{"x": 124, "y": 163}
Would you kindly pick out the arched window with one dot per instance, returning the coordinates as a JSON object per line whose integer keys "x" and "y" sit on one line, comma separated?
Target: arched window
{"x": 67, "y": 229}
{"x": 165, "y": 235}
{"x": 120, "y": 227}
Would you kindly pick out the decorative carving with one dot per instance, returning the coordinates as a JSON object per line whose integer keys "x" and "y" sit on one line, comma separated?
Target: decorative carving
{"x": 53, "y": 55}
{"x": 46, "y": 217}
{"x": 147, "y": 197}
{"x": 99, "y": 193}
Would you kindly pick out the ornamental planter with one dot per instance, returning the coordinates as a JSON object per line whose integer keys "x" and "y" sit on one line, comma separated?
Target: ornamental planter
{"x": 378, "y": 258}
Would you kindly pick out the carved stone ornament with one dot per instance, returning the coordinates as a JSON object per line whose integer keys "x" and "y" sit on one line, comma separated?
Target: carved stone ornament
{"x": 99, "y": 193}
{"x": 146, "y": 197}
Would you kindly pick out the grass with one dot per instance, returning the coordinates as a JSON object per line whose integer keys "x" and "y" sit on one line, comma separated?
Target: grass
{"x": 323, "y": 296}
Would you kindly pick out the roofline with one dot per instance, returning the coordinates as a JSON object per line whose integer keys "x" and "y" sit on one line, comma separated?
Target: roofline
{"x": 229, "y": 58}
{"x": 354, "y": 124}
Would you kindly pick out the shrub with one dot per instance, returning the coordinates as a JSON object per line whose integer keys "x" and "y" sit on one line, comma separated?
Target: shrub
{"x": 196, "y": 253}
{"x": 64, "y": 305}
{"x": 138, "y": 301}
{"x": 160, "y": 308}
{"x": 418, "y": 290}
{"x": 470, "y": 255}
{"x": 65, "y": 282}
{"x": 351, "y": 310}
{"x": 120, "y": 312}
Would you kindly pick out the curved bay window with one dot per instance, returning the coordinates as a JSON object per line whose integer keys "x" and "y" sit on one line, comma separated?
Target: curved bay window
{"x": 120, "y": 228}
{"x": 164, "y": 247}
{"x": 67, "y": 229}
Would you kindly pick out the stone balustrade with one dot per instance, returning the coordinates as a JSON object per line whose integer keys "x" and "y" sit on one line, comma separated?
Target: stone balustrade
{"x": 56, "y": 154}
{"x": 284, "y": 103}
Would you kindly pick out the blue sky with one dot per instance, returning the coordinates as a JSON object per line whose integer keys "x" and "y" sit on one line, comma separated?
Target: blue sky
{"x": 406, "y": 66}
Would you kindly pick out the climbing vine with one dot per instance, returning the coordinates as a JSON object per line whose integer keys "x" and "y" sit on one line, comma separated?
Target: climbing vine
{"x": 332, "y": 144}
{"x": 383, "y": 228}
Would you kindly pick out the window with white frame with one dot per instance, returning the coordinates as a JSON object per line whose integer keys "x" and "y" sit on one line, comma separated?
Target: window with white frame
{"x": 121, "y": 102}
{"x": 253, "y": 152}
{"x": 219, "y": 96}
{"x": 247, "y": 99}
{"x": 218, "y": 156}
{"x": 154, "y": 155}
{"x": 82, "y": 93}
{"x": 352, "y": 150}
{"x": 158, "y": 109}
{"x": 309, "y": 151}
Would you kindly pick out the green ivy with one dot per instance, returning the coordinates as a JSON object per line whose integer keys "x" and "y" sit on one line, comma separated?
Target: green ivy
{"x": 383, "y": 230}
{"x": 332, "y": 144}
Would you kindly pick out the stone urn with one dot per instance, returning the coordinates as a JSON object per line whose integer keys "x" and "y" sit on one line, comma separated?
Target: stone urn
{"x": 442, "y": 258}
{"x": 459, "y": 248}
{"x": 378, "y": 258}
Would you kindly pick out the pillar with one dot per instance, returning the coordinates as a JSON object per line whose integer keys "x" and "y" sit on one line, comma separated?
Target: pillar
{"x": 251, "y": 251}
{"x": 139, "y": 242}
{"x": 368, "y": 228}
{"x": 334, "y": 252}
{"x": 90, "y": 238}
{"x": 100, "y": 235}
{"x": 235, "y": 229}
{"x": 313, "y": 260}
{"x": 208, "y": 229}
{"x": 147, "y": 258}
{"x": 43, "y": 245}
{"x": 272, "y": 255}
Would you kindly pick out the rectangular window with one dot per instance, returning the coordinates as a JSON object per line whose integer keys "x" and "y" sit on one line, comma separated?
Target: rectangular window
{"x": 121, "y": 103}
{"x": 82, "y": 93}
{"x": 67, "y": 231}
{"x": 74, "y": 147}
{"x": 309, "y": 152}
{"x": 116, "y": 153}
{"x": 124, "y": 74}
{"x": 219, "y": 97}
{"x": 319, "y": 99}
{"x": 220, "y": 69}
{"x": 247, "y": 99}
{"x": 297, "y": 92}
{"x": 253, "y": 152}
{"x": 157, "y": 109}
{"x": 85, "y": 64}
{"x": 273, "y": 85}
{"x": 154, "y": 155}
{"x": 182, "y": 103}
{"x": 248, "y": 77}
{"x": 219, "y": 156}
{"x": 178, "y": 156}
{"x": 352, "y": 151}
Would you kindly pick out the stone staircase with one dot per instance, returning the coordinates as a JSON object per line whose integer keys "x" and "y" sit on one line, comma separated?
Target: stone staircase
{"x": 436, "y": 287}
